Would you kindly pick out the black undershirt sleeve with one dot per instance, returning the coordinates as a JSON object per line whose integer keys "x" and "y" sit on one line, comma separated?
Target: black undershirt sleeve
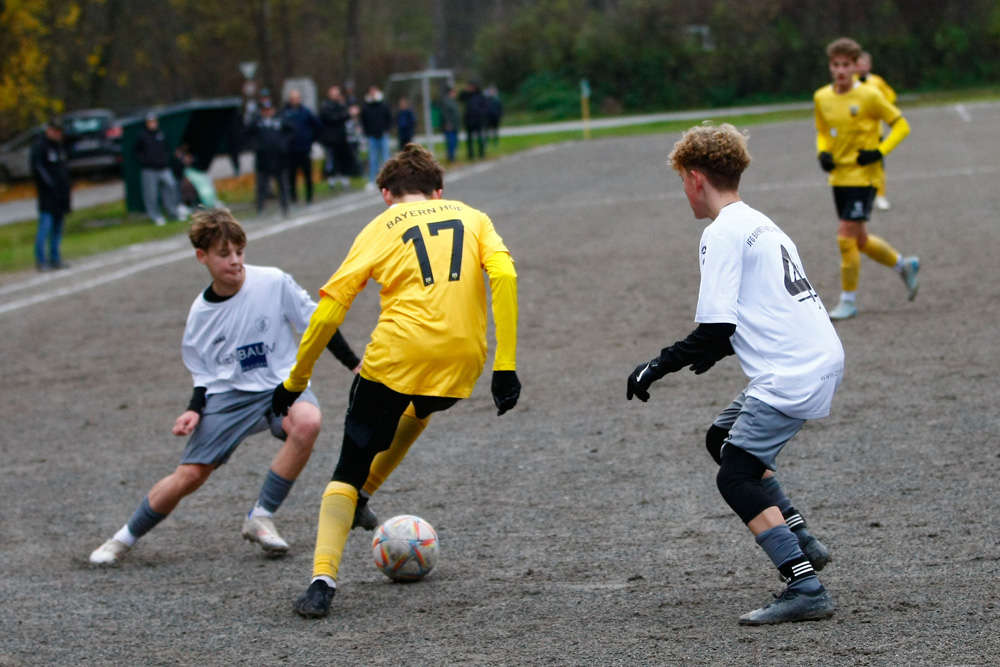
{"x": 342, "y": 351}
{"x": 701, "y": 349}
{"x": 198, "y": 400}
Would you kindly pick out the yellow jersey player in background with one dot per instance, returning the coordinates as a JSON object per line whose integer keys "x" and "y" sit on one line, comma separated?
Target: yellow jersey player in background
{"x": 866, "y": 77}
{"x": 426, "y": 352}
{"x": 848, "y": 115}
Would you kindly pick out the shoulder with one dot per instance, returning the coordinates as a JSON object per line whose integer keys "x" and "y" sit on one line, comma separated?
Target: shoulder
{"x": 824, "y": 92}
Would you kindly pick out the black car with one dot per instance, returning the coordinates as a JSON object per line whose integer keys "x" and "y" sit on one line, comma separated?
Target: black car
{"x": 93, "y": 141}
{"x": 93, "y": 146}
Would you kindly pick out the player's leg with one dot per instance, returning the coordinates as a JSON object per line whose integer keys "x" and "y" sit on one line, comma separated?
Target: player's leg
{"x": 907, "y": 267}
{"x": 411, "y": 424}
{"x": 161, "y": 500}
{"x": 299, "y": 430}
{"x": 373, "y": 414}
{"x": 716, "y": 437}
{"x": 756, "y": 437}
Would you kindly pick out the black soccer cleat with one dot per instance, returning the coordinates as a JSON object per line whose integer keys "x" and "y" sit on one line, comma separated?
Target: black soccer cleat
{"x": 792, "y": 607}
{"x": 315, "y": 602}
{"x": 816, "y": 552}
{"x": 364, "y": 517}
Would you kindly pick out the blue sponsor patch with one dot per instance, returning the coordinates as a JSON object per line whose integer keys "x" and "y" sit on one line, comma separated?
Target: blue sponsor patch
{"x": 252, "y": 356}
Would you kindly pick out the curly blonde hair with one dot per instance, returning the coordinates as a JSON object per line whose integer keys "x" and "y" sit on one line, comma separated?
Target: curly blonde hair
{"x": 720, "y": 153}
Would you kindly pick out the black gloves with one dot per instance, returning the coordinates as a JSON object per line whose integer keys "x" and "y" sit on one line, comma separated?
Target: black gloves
{"x": 506, "y": 390}
{"x": 869, "y": 157}
{"x": 282, "y": 399}
{"x": 700, "y": 350}
{"x": 826, "y": 161}
{"x": 643, "y": 376}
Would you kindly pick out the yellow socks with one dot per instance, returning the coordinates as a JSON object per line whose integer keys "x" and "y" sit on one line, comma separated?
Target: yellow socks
{"x": 407, "y": 432}
{"x": 336, "y": 515}
{"x": 850, "y": 263}
{"x": 878, "y": 249}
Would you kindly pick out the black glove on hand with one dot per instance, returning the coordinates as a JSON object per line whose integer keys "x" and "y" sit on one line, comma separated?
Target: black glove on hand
{"x": 506, "y": 390}
{"x": 826, "y": 161}
{"x": 282, "y": 399}
{"x": 643, "y": 376}
{"x": 869, "y": 157}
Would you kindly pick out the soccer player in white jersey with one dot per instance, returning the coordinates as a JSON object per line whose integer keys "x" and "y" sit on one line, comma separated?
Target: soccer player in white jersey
{"x": 754, "y": 301}
{"x": 238, "y": 343}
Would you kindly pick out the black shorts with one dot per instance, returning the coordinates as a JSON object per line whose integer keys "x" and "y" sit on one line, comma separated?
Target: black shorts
{"x": 854, "y": 203}
{"x": 373, "y": 413}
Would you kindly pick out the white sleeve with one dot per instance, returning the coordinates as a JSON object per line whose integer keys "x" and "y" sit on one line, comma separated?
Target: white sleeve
{"x": 195, "y": 363}
{"x": 296, "y": 304}
{"x": 721, "y": 271}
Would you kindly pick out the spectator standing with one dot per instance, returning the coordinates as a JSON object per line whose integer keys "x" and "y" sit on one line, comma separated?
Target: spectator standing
{"x": 475, "y": 118}
{"x": 305, "y": 128}
{"x": 51, "y": 176}
{"x": 334, "y": 114}
{"x": 271, "y": 134}
{"x": 406, "y": 122}
{"x": 451, "y": 119}
{"x": 153, "y": 153}
{"x": 494, "y": 113}
{"x": 376, "y": 121}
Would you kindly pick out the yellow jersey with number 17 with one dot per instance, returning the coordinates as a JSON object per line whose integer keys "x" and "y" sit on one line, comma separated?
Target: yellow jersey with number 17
{"x": 428, "y": 256}
{"x": 849, "y": 122}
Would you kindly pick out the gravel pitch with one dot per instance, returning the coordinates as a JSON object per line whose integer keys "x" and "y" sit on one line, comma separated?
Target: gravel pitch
{"x": 578, "y": 528}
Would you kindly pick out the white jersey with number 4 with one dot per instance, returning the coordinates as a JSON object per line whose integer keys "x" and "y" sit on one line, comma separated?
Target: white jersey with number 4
{"x": 246, "y": 342}
{"x": 751, "y": 276}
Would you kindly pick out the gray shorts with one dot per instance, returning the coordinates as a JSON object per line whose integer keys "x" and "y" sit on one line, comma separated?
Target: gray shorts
{"x": 231, "y": 417}
{"x": 757, "y": 428}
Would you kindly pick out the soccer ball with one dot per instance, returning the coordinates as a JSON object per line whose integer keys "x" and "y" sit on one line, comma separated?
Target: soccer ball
{"x": 405, "y": 548}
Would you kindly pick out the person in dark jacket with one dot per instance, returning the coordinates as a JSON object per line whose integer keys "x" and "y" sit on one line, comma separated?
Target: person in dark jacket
{"x": 406, "y": 122}
{"x": 51, "y": 175}
{"x": 271, "y": 134}
{"x": 451, "y": 121}
{"x": 376, "y": 121}
{"x": 154, "y": 154}
{"x": 305, "y": 127}
{"x": 334, "y": 115}
{"x": 475, "y": 118}
{"x": 494, "y": 114}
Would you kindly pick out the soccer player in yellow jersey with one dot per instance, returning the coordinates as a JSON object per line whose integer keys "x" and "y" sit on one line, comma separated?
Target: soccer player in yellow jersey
{"x": 426, "y": 352}
{"x": 847, "y": 124}
{"x": 865, "y": 76}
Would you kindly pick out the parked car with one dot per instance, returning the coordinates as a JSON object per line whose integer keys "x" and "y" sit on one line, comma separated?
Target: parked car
{"x": 93, "y": 146}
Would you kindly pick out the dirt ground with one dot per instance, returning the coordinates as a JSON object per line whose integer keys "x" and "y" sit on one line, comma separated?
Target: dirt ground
{"x": 578, "y": 528}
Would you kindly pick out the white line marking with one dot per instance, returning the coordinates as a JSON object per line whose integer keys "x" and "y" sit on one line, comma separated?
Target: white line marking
{"x": 963, "y": 113}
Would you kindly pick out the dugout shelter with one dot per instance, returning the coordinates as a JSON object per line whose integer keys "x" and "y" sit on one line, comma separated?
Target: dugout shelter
{"x": 204, "y": 125}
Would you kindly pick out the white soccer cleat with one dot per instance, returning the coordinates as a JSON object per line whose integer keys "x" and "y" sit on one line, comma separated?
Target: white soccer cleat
{"x": 882, "y": 204}
{"x": 261, "y": 530}
{"x": 844, "y": 310}
{"x": 110, "y": 553}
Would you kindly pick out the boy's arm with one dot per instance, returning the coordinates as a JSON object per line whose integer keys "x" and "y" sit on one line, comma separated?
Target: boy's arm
{"x": 824, "y": 143}
{"x": 506, "y": 387}
{"x": 340, "y": 348}
{"x": 327, "y": 318}
{"x": 900, "y": 130}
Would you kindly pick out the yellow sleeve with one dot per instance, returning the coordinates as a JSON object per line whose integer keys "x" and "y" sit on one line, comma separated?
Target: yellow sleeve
{"x": 503, "y": 285}
{"x": 900, "y": 130}
{"x": 325, "y": 321}
{"x": 824, "y": 143}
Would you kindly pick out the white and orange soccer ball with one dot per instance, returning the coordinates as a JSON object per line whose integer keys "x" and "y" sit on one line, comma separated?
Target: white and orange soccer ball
{"x": 405, "y": 548}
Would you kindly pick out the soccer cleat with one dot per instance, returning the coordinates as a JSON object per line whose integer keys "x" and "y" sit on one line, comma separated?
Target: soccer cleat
{"x": 260, "y": 529}
{"x": 792, "y": 607}
{"x": 315, "y": 602}
{"x": 364, "y": 517}
{"x": 882, "y": 204}
{"x": 911, "y": 266}
{"x": 159, "y": 222}
{"x": 110, "y": 553}
{"x": 816, "y": 552}
{"x": 844, "y": 310}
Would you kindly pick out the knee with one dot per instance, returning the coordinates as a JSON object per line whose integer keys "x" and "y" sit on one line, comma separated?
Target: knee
{"x": 714, "y": 439}
{"x": 303, "y": 426}
{"x": 191, "y": 476}
{"x": 739, "y": 483}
